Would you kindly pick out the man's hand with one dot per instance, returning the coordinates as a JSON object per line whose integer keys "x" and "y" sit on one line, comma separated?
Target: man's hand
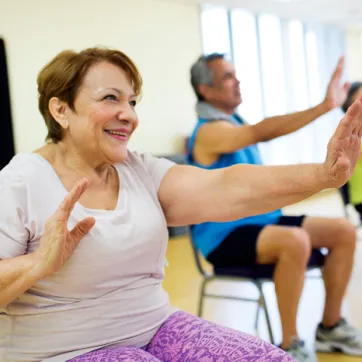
{"x": 336, "y": 92}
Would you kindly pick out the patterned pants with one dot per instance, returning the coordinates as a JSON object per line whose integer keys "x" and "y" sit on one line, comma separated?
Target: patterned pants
{"x": 186, "y": 338}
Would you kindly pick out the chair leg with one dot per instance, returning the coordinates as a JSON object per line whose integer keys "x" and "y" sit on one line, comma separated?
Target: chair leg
{"x": 346, "y": 215}
{"x": 257, "y": 315}
{"x": 267, "y": 317}
{"x": 201, "y": 298}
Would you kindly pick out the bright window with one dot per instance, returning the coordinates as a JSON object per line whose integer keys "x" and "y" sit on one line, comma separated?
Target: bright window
{"x": 215, "y": 30}
{"x": 272, "y": 64}
{"x": 245, "y": 36}
{"x": 313, "y": 67}
{"x": 299, "y": 83}
{"x": 274, "y": 84}
{"x": 299, "y": 94}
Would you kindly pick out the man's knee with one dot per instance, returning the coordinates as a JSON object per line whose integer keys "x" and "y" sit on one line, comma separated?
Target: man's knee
{"x": 288, "y": 244}
{"x": 344, "y": 232}
{"x": 298, "y": 246}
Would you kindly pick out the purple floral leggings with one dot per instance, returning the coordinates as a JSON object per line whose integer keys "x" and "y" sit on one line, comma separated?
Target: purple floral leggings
{"x": 186, "y": 338}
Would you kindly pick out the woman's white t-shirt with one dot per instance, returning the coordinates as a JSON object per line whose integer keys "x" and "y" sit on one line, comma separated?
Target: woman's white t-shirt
{"x": 109, "y": 291}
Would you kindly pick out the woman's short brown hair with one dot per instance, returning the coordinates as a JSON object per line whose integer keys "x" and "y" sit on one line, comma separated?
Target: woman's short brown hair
{"x": 64, "y": 74}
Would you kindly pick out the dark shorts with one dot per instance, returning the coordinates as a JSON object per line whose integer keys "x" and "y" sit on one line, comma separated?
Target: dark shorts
{"x": 239, "y": 247}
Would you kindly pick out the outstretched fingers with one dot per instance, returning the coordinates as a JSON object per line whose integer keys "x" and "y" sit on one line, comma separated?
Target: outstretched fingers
{"x": 351, "y": 122}
{"x": 82, "y": 228}
{"x": 357, "y": 118}
{"x": 71, "y": 199}
{"x": 359, "y": 124}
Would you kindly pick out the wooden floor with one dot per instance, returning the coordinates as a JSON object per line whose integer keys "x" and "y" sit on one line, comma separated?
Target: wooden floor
{"x": 183, "y": 282}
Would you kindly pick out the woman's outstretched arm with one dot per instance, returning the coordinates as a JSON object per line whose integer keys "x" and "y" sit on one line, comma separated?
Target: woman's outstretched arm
{"x": 191, "y": 195}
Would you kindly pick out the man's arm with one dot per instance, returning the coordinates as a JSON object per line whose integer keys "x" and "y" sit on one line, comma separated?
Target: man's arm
{"x": 223, "y": 137}
{"x": 278, "y": 126}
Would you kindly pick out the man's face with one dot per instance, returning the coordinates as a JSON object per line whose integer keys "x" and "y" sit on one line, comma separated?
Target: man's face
{"x": 225, "y": 91}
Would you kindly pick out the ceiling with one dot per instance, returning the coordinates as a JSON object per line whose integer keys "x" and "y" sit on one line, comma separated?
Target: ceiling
{"x": 344, "y": 13}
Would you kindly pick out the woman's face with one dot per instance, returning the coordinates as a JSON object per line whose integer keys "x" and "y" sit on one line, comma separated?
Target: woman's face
{"x": 104, "y": 117}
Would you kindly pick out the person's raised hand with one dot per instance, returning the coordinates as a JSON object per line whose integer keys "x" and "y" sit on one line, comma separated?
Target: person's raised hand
{"x": 344, "y": 147}
{"x": 58, "y": 243}
{"x": 336, "y": 92}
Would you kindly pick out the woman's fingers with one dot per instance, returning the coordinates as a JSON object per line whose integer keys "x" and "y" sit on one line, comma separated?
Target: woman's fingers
{"x": 71, "y": 199}
{"x": 359, "y": 129}
{"x": 82, "y": 228}
{"x": 349, "y": 121}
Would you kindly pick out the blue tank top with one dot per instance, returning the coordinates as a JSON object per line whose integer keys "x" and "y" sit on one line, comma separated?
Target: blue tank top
{"x": 208, "y": 236}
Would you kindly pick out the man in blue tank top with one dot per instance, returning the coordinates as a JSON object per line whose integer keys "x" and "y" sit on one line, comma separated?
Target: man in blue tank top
{"x": 220, "y": 139}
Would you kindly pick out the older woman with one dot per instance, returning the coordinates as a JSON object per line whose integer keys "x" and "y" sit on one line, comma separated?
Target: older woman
{"x": 83, "y": 225}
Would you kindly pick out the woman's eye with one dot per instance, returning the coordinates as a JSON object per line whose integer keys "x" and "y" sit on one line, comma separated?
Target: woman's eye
{"x": 110, "y": 97}
{"x": 133, "y": 103}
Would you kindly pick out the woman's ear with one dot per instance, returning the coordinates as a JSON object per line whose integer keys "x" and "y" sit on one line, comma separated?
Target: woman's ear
{"x": 58, "y": 110}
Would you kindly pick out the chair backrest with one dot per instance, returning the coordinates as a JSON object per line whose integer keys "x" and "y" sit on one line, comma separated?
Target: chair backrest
{"x": 197, "y": 255}
{"x": 344, "y": 192}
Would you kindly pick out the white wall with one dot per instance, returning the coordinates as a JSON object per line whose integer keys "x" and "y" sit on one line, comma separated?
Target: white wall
{"x": 354, "y": 55}
{"x": 162, "y": 38}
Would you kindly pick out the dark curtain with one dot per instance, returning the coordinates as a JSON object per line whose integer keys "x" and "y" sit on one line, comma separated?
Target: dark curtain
{"x": 6, "y": 129}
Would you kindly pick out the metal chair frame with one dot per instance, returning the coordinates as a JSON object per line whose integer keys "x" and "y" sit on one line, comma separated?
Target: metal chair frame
{"x": 257, "y": 282}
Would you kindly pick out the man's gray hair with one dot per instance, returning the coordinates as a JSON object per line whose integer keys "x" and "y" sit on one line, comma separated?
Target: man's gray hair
{"x": 201, "y": 73}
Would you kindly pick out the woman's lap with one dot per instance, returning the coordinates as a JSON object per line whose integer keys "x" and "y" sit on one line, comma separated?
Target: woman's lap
{"x": 184, "y": 337}
{"x": 121, "y": 354}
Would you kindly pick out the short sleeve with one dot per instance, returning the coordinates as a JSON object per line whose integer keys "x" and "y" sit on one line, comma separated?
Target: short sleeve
{"x": 13, "y": 234}
{"x": 156, "y": 167}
